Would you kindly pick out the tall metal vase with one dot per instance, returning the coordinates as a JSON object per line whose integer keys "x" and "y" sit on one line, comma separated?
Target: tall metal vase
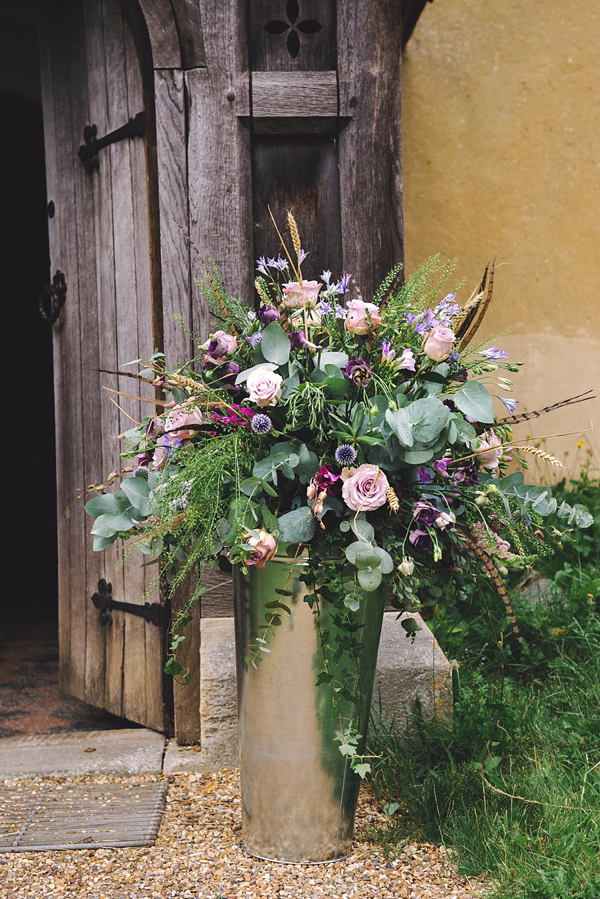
{"x": 299, "y": 792}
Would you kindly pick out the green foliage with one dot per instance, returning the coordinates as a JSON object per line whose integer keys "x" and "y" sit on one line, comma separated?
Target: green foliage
{"x": 514, "y": 786}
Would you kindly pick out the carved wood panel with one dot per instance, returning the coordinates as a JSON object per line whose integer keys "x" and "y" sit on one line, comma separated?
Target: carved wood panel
{"x": 292, "y": 35}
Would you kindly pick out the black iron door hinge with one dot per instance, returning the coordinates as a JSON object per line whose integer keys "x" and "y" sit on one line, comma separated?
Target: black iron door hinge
{"x": 152, "y": 612}
{"x": 88, "y": 152}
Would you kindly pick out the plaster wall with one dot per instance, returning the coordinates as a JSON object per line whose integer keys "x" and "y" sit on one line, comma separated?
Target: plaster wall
{"x": 501, "y": 147}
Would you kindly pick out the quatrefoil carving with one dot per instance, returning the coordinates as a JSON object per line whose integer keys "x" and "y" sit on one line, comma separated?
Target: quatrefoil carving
{"x": 292, "y": 26}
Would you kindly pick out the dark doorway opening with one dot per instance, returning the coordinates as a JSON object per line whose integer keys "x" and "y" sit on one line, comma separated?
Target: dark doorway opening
{"x": 30, "y": 699}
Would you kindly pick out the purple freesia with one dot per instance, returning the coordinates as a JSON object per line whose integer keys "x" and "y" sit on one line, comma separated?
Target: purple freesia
{"x": 493, "y": 353}
{"x": 406, "y": 360}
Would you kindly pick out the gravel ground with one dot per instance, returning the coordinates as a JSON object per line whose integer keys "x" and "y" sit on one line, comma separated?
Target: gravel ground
{"x": 197, "y": 856}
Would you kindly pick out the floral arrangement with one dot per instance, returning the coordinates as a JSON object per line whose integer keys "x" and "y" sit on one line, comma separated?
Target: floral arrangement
{"x": 361, "y": 431}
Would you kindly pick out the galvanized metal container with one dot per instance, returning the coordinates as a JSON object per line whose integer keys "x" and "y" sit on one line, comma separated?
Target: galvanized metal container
{"x": 299, "y": 792}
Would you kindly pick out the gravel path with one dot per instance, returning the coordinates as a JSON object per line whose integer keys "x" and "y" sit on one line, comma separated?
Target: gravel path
{"x": 197, "y": 856}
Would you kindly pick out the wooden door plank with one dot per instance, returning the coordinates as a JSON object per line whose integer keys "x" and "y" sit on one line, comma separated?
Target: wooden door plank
{"x": 171, "y": 151}
{"x": 369, "y": 67}
{"x": 219, "y": 153}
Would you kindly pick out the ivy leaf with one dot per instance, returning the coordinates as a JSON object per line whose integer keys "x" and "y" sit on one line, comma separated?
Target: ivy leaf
{"x": 361, "y": 768}
{"x": 275, "y": 344}
{"x": 474, "y": 400}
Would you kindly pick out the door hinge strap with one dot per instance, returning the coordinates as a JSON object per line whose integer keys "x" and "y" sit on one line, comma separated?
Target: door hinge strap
{"x": 151, "y": 612}
{"x": 88, "y": 152}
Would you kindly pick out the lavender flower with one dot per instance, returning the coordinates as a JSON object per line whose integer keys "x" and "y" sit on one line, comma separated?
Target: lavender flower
{"x": 324, "y": 308}
{"x": 358, "y": 371}
{"x": 511, "y": 405}
{"x": 302, "y": 256}
{"x": 255, "y": 338}
{"x": 342, "y": 285}
{"x": 446, "y": 311}
{"x": 261, "y": 424}
{"x": 326, "y": 277}
{"x": 261, "y": 266}
{"x": 340, "y": 312}
{"x": 345, "y": 454}
{"x": 406, "y": 360}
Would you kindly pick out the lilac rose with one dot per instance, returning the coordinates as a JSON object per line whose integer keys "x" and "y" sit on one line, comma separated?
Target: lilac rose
{"x": 364, "y": 488}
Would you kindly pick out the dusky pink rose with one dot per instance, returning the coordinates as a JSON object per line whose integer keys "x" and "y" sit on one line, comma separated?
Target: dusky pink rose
{"x": 490, "y": 451}
{"x": 179, "y": 419}
{"x": 264, "y": 385}
{"x": 365, "y": 489}
{"x": 297, "y": 295}
{"x": 264, "y": 547}
{"x": 438, "y": 343}
{"x": 362, "y": 317}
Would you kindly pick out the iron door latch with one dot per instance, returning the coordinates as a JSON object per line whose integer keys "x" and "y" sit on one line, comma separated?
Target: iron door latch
{"x": 151, "y": 612}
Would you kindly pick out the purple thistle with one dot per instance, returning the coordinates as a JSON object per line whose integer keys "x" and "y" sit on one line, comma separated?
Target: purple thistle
{"x": 345, "y": 454}
{"x": 261, "y": 424}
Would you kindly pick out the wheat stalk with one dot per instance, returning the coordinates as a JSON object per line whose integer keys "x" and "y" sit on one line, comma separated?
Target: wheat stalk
{"x": 295, "y": 235}
{"x": 392, "y": 499}
{"x": 262, "y": 293}
{"x": 535, "y": 451}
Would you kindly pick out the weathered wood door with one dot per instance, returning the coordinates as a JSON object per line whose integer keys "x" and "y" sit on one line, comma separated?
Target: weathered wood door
{"x": 100, "y": 240}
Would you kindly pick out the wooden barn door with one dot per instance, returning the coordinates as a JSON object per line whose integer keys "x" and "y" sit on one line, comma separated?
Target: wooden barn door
{"x": 100, "y": 241}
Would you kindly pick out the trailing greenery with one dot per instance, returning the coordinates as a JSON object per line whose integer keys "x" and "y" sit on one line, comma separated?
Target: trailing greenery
{"x": 514, "y": 786}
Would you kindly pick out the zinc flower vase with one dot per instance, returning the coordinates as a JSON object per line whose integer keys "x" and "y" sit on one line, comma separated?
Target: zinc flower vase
{"x": 299, "y": 793}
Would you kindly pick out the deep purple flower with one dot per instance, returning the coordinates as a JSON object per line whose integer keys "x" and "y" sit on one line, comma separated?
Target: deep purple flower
{"x": 441, "y": 466}
{"x": 325, "y": 480}
{"x": 142, "y": 460}
{"x": 267, "y": 314}
{"x": 226, "y": 373}
{"x": 465, "y": 476}
{"x": 420, "y": 539}
{"x": 424, "y": 475}
{"x": 424, "y": 513}
{"x": 358, "y": 371}
{"x": 297, "y": 339}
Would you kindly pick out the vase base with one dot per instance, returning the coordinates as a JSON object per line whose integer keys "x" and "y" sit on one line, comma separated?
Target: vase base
{"x": 285, "y": 861}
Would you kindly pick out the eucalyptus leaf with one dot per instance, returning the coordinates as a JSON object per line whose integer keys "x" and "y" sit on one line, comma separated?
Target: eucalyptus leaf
{"x": 474, "y": 400}
{"x": 275, "y": 344}
{"x": 108, "y": 525}
{"x": 370, "y": 579}
{"x": 401, "y": 425}
{"x": 297, "y": 526}
{"x": 101, "y": 543}
{"x": 352, "y": 602}
{"x": 107, "y": 503}
{"x": 366, "y": 558}
{"x": 330, "y": 358}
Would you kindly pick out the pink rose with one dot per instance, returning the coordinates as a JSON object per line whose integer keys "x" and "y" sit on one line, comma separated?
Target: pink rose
{"x": 297, "y": 295}
{"x": 365, "y": 489}
{"x": 362, "y": 317}
{"x": 438, "y": 343}
{"x": 264, "y": 549}
{"x": 490, "y": 451}
{"x": 179, "y": 419}
{"x": 264, "y": 386}
{"x": 220, "y": 344}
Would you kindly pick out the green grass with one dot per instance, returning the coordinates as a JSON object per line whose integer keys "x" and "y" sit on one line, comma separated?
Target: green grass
{"x": 514, "y": 787}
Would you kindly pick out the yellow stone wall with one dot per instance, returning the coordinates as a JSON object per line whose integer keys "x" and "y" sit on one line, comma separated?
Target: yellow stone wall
{"x": 501, "y": 145}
